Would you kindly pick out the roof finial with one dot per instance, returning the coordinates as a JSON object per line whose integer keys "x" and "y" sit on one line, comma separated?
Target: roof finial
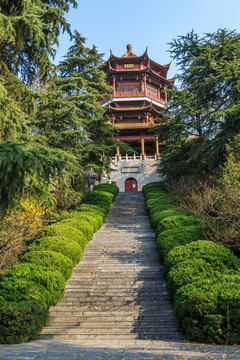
{"x": 129, "y": 52}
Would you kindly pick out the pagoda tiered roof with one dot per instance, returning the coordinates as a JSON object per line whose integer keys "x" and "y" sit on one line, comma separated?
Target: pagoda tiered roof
{"x": 148, "y": 65}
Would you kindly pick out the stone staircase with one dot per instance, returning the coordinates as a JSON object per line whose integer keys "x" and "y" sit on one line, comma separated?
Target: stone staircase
{"x": 117, "y": 291}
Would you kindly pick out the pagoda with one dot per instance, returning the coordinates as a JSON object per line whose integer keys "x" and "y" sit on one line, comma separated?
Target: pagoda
{"x": 138, "y": 102}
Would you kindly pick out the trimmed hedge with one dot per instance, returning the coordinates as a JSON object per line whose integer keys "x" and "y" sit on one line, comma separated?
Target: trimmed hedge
{"x": 29, "y": 288}
{"x": 169, "y": 239}
{"x": 50, "y": 260}
{"x": 177, "y": 221}
{"x": 206, "y": 250}
{"x": 53, "y": 281}
{"x": 81, "y": 225}
{"x": 66, "y": 231}
{"x": 209, "y": 310}
{"x": 21, "y": 321}
{"x": 70, "y": 249}
{"x": 202, "y": 277}
{"x": 193, "y": 270}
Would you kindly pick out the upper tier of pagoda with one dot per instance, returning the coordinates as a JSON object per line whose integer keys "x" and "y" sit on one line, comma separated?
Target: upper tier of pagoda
{"x": 137, "y": 78}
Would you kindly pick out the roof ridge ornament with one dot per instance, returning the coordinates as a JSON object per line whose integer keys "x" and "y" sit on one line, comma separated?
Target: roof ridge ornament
{"x": 129, "y": 52}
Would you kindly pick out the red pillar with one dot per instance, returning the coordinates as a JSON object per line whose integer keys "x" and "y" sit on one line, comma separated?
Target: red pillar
{"x": 114, "y": 82}
{"x": 145, "y": 85}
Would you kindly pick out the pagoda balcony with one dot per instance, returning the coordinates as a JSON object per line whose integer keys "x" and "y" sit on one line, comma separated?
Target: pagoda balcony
{"x": 133, "y": 125}
{"x": 128, "y": 94}
{"x": 147, "y": 94}
{"x": 135, "y": 158}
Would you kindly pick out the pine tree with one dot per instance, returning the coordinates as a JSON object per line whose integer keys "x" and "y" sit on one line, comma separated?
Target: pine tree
{"x": 84, "y": 83}
{"x": 29, "y": 32}
{"x": 204, "y": 113}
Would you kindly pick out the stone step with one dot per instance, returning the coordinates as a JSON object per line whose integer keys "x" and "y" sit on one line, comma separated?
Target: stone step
{"x": 72, "y": 307}
{"x": 105, "y": 291}
{"x": 131, "y": 336}
{"x": 118, "y": 290}
{"x": 97, "y": 299}
{"x": 114, "y": 330}
{"x": 58, "y": 321}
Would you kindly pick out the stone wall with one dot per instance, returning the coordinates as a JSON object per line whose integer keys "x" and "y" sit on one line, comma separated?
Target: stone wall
{"x": 143, "y": 171}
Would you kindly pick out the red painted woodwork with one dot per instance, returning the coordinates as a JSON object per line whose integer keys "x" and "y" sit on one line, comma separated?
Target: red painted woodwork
{"x": 139, "y": 96}
{"x": 131, "y": 185}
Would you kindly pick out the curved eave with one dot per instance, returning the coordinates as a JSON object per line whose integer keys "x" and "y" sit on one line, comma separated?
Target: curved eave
{"x": 113, "y": 57}
{"x": 147, "y": 69}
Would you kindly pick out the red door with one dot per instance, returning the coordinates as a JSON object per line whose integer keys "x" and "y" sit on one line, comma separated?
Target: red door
{"x": 131, "y": 185}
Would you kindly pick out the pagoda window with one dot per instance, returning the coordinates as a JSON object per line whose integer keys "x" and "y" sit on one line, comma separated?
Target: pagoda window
{"x": 136, "y": 89}
{"x": 117, "y": 88}
{"x": 131, "y": 90}
{"x": 127, "y": 90}
{"x": 122, "y": 90}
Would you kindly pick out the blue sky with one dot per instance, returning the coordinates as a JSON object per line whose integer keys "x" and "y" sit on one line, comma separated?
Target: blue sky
{"x": 153, "y": 23}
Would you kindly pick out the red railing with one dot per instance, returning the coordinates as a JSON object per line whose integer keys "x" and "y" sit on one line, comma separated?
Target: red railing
{"x": 126, "y": 94}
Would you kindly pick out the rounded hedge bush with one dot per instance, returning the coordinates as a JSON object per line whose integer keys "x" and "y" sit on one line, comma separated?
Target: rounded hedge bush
{"x": 50, "y": 260}
{"x": 193, "y": 270}
{"x": 113, "y": 189}
{"x": 102, "y": 198}
{"x": 65, "y": 231}
{"x": 67, "y": 247}
{"x": 177, "y": 221}
{"x": 164, "y": 214}
{"x": 95, "y": 209}
{"x": 22, "y": 321}
{"x": 15, "y": 289}
{"x": 161, "y": 206}
{"x": 81, "y": 225}
{"x": 52, "y": 280}
{"x": 80, "y": 215}
{"x": 169, "y": 239}
{"x": 153, "y": 185}
{"x": 202, "y": 249}
{"x": 209, "y": 310}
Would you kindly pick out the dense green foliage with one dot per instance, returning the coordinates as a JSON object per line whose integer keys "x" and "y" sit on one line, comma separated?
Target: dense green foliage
{"x": 38, "y": 281}
{"x": 204, "y": 113}
{"x": 65, "y": 246}
{"x": 53, "y": 128}
{"x": 53, "y": 281}
{"x": 202, "y": 277}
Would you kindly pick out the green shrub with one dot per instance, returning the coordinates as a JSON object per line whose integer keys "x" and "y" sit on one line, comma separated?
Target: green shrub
{"x": 164, "y": 214}
{"x": 209, "y": 310}
{"x": 52, "y": 280}
{"x": 153, "y": 185}
{"x": 95, "y": 209}
{"x": 155, "y": 213}
{"x": 50, "y": 260}
{"x": 155, "y": 195}
{"x": 65, "y": 231}
{"x": 82, "y": 225}
{"x": 169, "y": 239}
{"x": 161, "y": 206}
{"x": 67, "y": 247}
{"x": 22, "y": 321}
{"x": 101, "y": 198}
{"x": 15, "y": 289}
{"x": 193, "y": 270}
{"x": 80, "y": 215}
{"x": 202, "y": 249}
{"x": 177, "y": 221}
{"x": 113, "y": 189}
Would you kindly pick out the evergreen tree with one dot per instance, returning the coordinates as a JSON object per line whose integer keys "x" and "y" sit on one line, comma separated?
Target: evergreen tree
{"x": 29, "y": 32}
{"x": 204, "y": 113}
{"x": 84, "y": 83}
